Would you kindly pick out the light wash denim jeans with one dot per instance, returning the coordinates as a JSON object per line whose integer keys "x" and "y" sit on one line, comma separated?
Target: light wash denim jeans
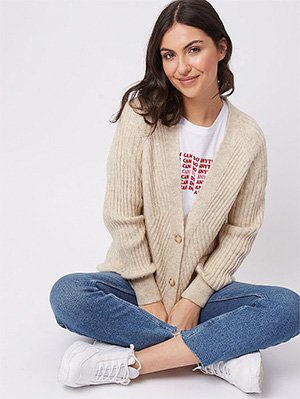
{"x": 238, "y": 319}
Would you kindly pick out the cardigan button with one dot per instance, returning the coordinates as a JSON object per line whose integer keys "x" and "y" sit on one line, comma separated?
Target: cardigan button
{"x": 178, "y": 238}
{"x": 172, "y": 282}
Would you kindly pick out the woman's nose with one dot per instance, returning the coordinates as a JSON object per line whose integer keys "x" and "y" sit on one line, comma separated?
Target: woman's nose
{"x": 183, "y": 67}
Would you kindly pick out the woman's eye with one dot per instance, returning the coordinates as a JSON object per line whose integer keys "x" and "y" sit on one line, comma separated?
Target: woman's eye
{"x": 167, "y": 56}
{"x": 194, "y": 49}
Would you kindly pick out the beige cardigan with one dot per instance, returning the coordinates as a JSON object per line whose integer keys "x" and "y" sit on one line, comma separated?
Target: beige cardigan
{"x": 164, "y": 257}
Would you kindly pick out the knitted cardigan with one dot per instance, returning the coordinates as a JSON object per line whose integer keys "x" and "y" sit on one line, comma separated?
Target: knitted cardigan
{"x": 163, "y": 257}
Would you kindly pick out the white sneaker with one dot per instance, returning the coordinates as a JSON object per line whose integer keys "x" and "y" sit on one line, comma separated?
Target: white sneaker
{"x": 245, "y": 372}
{"x": 94, "y": 364}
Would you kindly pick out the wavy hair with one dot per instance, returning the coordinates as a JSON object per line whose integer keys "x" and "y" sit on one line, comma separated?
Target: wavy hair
{"x": 158, "y": 99}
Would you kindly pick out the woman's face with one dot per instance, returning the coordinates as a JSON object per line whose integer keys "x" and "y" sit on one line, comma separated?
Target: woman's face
{"x": 190, "y": 60}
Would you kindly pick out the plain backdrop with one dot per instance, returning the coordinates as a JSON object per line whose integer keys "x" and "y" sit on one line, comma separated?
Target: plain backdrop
{"x": 64, "y": 66}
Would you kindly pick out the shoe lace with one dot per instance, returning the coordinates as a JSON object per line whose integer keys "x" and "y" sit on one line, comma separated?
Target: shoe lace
{"x": 109, "y": 370}
{"x": 220, "y": 369}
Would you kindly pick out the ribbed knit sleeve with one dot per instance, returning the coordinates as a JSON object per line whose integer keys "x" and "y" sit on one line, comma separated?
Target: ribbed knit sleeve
{"x": 236, "y": 235}
{"x": 123, "y": 202}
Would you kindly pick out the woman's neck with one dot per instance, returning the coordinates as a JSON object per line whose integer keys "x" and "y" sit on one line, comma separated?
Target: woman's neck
{"x": 200, "y": 112}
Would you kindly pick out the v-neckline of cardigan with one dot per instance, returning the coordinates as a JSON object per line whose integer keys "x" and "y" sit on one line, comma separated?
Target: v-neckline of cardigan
{"x": 212, "y": 180}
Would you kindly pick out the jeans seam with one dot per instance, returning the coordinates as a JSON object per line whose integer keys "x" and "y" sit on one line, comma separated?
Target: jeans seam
{"x": 93, "y": 283}
{"x": 191, "y": 349}
{"x": 149, "y": 316}
{"x": 236, "y": 297}
{"x": 216, "y": 319}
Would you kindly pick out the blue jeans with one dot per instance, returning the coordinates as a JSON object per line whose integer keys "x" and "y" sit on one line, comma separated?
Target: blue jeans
{"x": 238, "y": 319}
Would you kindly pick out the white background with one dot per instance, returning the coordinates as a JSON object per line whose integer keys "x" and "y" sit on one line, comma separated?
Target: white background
{"x": 64, "y": 67}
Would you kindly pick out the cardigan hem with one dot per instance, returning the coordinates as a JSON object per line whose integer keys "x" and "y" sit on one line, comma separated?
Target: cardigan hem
{"x": 146, "y": 290}
{"x": 198, "y": 291}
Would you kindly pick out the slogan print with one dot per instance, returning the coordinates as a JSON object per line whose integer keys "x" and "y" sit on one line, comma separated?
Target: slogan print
{"x": 193, "y": 171}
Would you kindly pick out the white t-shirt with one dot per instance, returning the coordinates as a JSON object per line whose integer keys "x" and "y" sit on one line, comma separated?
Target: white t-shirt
{"x": 198, "y": 147}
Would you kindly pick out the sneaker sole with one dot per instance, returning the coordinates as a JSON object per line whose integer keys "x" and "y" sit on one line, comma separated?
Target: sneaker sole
{"x": 256, "y": 367}
{"x": 70, "y": 364}
{"x": 260, "y": 376}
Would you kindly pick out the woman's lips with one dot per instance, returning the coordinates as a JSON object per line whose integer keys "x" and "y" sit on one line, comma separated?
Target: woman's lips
{"x": 188, "y": 81}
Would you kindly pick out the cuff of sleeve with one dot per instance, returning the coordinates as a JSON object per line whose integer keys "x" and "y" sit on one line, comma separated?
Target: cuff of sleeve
{"x": 146, "y": 290}
{"x": 198, "y": 291}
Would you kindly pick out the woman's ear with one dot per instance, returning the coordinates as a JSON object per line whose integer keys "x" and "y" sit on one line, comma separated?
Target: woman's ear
{"x": 222, "y": 48}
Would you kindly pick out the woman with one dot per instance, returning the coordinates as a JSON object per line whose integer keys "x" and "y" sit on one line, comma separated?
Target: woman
{"x": 185, "y": 196}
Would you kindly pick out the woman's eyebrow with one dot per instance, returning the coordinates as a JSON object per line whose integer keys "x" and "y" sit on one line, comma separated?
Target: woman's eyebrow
{"x": 193, "y": 42}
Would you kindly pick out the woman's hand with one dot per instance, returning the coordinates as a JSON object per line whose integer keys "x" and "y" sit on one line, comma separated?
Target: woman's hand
{"x": 157, "y": 309}
{"x": 184, "y": 314}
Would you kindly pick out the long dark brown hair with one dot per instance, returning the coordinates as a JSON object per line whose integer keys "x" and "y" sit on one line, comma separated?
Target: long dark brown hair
{"x": 159, "y": 100}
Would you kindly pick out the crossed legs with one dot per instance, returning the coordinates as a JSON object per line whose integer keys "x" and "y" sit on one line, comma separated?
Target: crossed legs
{"x": 238, "y": 319}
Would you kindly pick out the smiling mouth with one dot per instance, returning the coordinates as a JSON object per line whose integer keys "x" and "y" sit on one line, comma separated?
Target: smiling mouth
{"x": 188, "y": 82}
{"x": 188, "y": 79}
